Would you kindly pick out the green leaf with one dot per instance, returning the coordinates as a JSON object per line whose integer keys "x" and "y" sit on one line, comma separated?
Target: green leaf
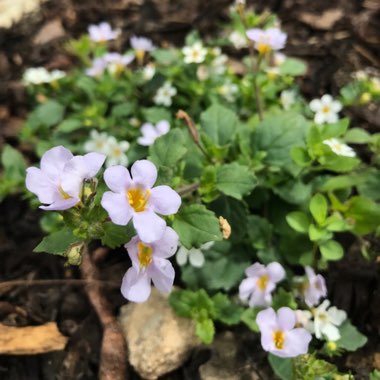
{"x": 350, "y": 338}
{"x": 219, "y": 123}
{"x": 13, "y": 163}
{"x": 69, "y": 125}
{"x": 300, "y": 156}
{"x": 370, "y": 185}
{"x": 115, "y": 235}
{"x": 205, "y": 330}
{"x": 331, "y": 250}
{"x": 318, "y": 208}
{"x": 57, "y": 243}
{"x": 342, "y": 182}
{"x": 277, "y": 135}
{"x": 293, "y": 67}
{"x": 294, "y": 192}
{"x": 337, "y": 129}
{"x": 225, "y": 310}
{"x": 156, "y": 114}
{"x": 357, "y": 136}
{"x": 365, "y": 213}
{"x": 299, "y": 221}
{"x": 283, "y": 298}
{"x": 196, "y": 225}
{"x": 50, "y": 113}
{"x": 235, "y": 180}
{"x": 282, "y": 367}
{"x": 168, "y": 149}
{"x": 249, "y": 318}
{"x": 318, "y": 233}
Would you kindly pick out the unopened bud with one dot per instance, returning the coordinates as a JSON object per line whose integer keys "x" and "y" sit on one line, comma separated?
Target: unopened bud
{"x": 89, "y": 190}
{"x": 74, "y": 253}
{"x": 224, "y": 227}
{"x": 190, "y": 124}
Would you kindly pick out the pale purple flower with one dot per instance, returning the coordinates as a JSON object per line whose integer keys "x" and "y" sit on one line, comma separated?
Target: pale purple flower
{"x": 98, "y": 67}
{"x": 267, "y": 40}
{"x": 117, "y": 62}
{"x": 261, "y": 280}
{"x": 135, "y": 198}
{"x": 58, "y": 183}
{"x": 149, "y": 263}
{"x": 315, "y": 287}
{"x": 151, "y": 132}
{"x": 278, "y": 335}
{"x": 141, "y": 45}
{"x": 102, "y": 32}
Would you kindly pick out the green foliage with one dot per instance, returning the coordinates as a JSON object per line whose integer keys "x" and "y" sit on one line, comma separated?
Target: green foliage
{"x": 350, "y": 338}
{"x": 196, "y": 225}
{"x": 204, "y": 310}
{"x": 282, "y": 367}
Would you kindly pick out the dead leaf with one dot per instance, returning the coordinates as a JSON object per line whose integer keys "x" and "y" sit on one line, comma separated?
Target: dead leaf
{"x": 324, "y": 21}
{"x": 31, "y": 340}
{"x": 50, "y": 31}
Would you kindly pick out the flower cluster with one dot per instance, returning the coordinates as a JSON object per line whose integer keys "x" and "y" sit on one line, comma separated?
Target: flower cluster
{"x": 115, "y": 63}
{"x": 109, "y": 146}
{"x": 39, "y": 75}
{"x": 59, "y": 181}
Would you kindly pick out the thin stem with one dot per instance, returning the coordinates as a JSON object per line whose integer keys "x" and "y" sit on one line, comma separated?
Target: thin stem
{"x": 255, "y": 65}
{"x": 315, "y": 256}
{"x": 188, "y": 189}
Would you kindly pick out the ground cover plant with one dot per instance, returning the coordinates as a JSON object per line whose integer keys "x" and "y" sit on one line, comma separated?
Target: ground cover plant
{"x": 227, "y": 169}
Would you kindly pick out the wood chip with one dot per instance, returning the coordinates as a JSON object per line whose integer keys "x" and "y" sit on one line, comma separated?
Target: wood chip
{"x": 324, "y": 21}
{"x": 49, "y": 32}
{"x": 31, "y": 340}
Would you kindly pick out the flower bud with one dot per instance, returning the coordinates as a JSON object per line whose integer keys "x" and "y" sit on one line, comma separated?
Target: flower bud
{"x": 74, "y": 253}
{"x": 224, "y": 227}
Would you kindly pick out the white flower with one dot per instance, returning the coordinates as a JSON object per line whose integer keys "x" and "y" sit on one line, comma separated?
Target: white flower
{"x": 238, "y": 40}
{"x": 272, "y": 72}
{"x": 116, "y": 62}
{"x": 38, "y": 75}
{"x": 360, "y": 75}
{"x": 149, "y": 71}
{"x": 219, "y": 64}
{"x": 340, "y": 148}
{"x": 115, "y": 151}
{"x": 203, "y": 73}
{"x": 195, "y": 53}
{"x": 326, "y": 321}
{"x": 151, "y": 132}
{"x": 278, "y": 58}
{"x": 304, "y": 319}
{"x": 326, "y": 109}
{"x": 287, "y": 98}
{"x": 97, "y": 143}
{"x": 194, "y": 255}
{"x": 164, "y": 95}
{"x": 228, "y": 90}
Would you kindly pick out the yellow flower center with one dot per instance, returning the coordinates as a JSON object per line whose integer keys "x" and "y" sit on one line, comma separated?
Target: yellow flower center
{"x": 144, "y": 254}
{"x": 262, "y": 282}
{"x": 279, "y": 339}
{"x": 325, "y": 109}
{"x": 138, "y": 198}
{"x": 140, "y": 54}
{"x": 116, "y": 152}
{"x": 63, "y": 193}
{"x": 263, "y": 48}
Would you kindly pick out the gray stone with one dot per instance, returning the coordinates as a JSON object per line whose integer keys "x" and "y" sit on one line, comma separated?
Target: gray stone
{"x": 158, "y": 340}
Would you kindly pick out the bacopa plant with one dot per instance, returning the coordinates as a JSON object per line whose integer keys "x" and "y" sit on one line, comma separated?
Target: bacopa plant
{"x": 172, "y": 151}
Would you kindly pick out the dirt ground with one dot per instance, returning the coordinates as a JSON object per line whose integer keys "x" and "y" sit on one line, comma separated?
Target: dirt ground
{"x": 336, "y": 38}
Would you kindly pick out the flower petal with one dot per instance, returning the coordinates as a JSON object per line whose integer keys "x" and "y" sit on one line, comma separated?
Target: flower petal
{"x": 94, "y": 162}
{"x": 62, "y": 204}
{"x": 167, "y": 245}
{"x": 246, "y": 288}
{"x": 39, "y": 183}
{"x": 54, "y": 160}
{"x": 286, "y": 318}
{"x": 296, "y": 343}
{"x": 255, "y": 270}
{"x": 117, "y": 178}
{"x": 132, "y": 250}
{"x": 276, "y": 272}
{"x": 196, "y": 258}
{"x": 181, "y": 256}
{"x": 266, "y": 320}
{"x": 330, "y": 331}
{"x": 136, "y": 286}
{"x": 117, "y": 207}
{"x": 144, "y": 173}
{"x": 163, "y": 127}
{"x": 149, "y": 226}
{"x": 336, "y": 316}
{"x": 315, "y": 105}
{"x": 162, "y": 273}
{"x": 165, "y": 200}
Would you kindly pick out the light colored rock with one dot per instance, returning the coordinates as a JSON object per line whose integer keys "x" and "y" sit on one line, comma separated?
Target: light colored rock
{"x": 158, "y": 340}
{"x": 11, "y": 11}
{"x": 225, "y": 362}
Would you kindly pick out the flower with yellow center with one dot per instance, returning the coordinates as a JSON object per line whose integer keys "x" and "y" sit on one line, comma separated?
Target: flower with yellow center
{"x": 268, "y": 40}
{"x": 279, "y": 336}
{"x": 261, "y": 281}
{"x": 195, "y": 53}
{"x": 138, "y": 198}
{"x": 149, "y": 264}
{"x": 326, "y": 109}
{"x": 339, "y": 148}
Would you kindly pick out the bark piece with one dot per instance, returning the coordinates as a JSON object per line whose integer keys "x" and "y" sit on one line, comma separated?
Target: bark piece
{"x": 31, "y": 340}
